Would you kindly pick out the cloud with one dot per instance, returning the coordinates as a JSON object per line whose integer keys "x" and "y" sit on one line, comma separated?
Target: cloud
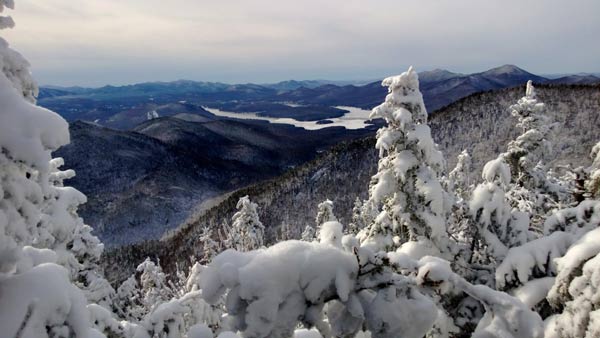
{"x": 124, "y": 41}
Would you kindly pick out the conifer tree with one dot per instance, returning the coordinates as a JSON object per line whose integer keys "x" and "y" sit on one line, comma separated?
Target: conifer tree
{"x": 37, "y": 296}
{"x": 247, "y": 225}
{"x": 532, "y": 189}
{"x": 358, "y": 221}
{"x": 153, "y": 285}
{"x": 459, "y": 176}
{"x": 308, "y": 234}
{"x": 210, "y": 247}
{"x": 406, "y": 192}
{"x": 128, "y": 301}
{"x": 324, "y": 214}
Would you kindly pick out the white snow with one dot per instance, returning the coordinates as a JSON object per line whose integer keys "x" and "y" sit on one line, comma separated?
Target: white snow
{"x": 200, "y": 331}
{"x": 227, "y": 334}
{"x": 391, "y": 312}
{"x": 585, "y": 248}
{"x": 271, "y": 289}
{"x": 331, "y": 233}
{"x": 304, "y": 333}
{"x": 520, "y": 261}
{"x": 390, "y": 280}
{"x": 496, "y": 170}
{"x": 47, "y": 295}
{"x": 419, "y": 249}
{"x": 28, "y": 132}
{"x": 535, "y": 291}
{"x": 505, "y": 316}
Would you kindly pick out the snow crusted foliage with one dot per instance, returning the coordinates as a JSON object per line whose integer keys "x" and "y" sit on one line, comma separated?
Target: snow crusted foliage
{"x": 428, "y": 254}
{"x": 47, "y": 255}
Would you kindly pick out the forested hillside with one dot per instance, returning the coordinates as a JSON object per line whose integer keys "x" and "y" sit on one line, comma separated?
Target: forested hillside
{"x": 481, "y": 123}
{"x": 343, "y": 173}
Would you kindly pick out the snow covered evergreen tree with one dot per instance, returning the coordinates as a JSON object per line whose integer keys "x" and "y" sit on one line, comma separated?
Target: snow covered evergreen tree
{"x": 210, "y": 248}
{"x": 532, "y": 190}
{"x": 247, "y": 226}
{"x": 128, "y": 301}
{"x": 576, "y": 287}
{"x": 308, "y": 234}
{"x": 459, "y": 176}
{"x": 153, "y": 284}
{"x": 593, "y": 184}
{"x": 358, "y": 221}
{"x": 518, "y": 188}
{"x": 406, "y": 193}
{"x": 270, "y": 292}
{"x": 77, "y": 248}
{"x": 325, "y": 213}
{"x": 550, "y": 271}
{"x": 498, "y": 227}
{"x": 37, "y": 296}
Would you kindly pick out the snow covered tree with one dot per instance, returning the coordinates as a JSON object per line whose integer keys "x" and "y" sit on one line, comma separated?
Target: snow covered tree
{"x": 497, "y": 227}
{"x": 517, "y": 193}
{"x": 128, "y": 301}
{"x": 77, "y": 248}
{"x": 229, "y": 236}
{"x": 530, "y": 269}
{"x": 247, "y": 226}
{"x": 308, "y": 234}
{"x": 210, "y": 248}
{"x": 37, "y": 297}
{"x": 532, "y": 190}
{"x": 532, "y": 146}
{"x": 269, "y": 292}
{"x": 151, "y": 115}
{"x": 459, "y": 222}
{"x": 153, "y": 284}
{"x": 324, "y": 214}
{"x": 575, "y": 289}
{"x": 458, "y": 178}
{"x": 593, "y": 184}
{"x": 358, "y": 221}
{"x": 406, "y": 193}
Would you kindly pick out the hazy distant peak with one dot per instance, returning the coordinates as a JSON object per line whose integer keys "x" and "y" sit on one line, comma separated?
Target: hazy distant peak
{"x": 506, "y": 69}
{"x": 437, "y": 75}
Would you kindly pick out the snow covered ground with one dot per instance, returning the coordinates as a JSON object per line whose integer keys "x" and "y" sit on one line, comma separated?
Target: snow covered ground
{"x": 356, "y": 118}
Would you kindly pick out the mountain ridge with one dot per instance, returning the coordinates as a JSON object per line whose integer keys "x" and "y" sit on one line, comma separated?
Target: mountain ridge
{"x": 124, "y": 107}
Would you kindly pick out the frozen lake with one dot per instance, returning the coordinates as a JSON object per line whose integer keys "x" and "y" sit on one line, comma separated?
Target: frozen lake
{"x": 356, "y": 118}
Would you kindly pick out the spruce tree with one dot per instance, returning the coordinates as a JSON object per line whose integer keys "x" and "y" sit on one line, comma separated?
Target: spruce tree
{"x": 406, "y": 192}
{"x": 247, "y": 225}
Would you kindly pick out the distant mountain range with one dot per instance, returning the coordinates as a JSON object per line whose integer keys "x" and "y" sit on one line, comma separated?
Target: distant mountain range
{"x": 124, "y": 107}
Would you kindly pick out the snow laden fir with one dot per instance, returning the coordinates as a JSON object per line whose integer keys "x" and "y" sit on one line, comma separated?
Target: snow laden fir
{"x": 428, "y": 254}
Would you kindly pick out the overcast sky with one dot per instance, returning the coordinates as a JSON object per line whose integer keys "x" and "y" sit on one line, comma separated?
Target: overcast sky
{"x": 96, "y": 42}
